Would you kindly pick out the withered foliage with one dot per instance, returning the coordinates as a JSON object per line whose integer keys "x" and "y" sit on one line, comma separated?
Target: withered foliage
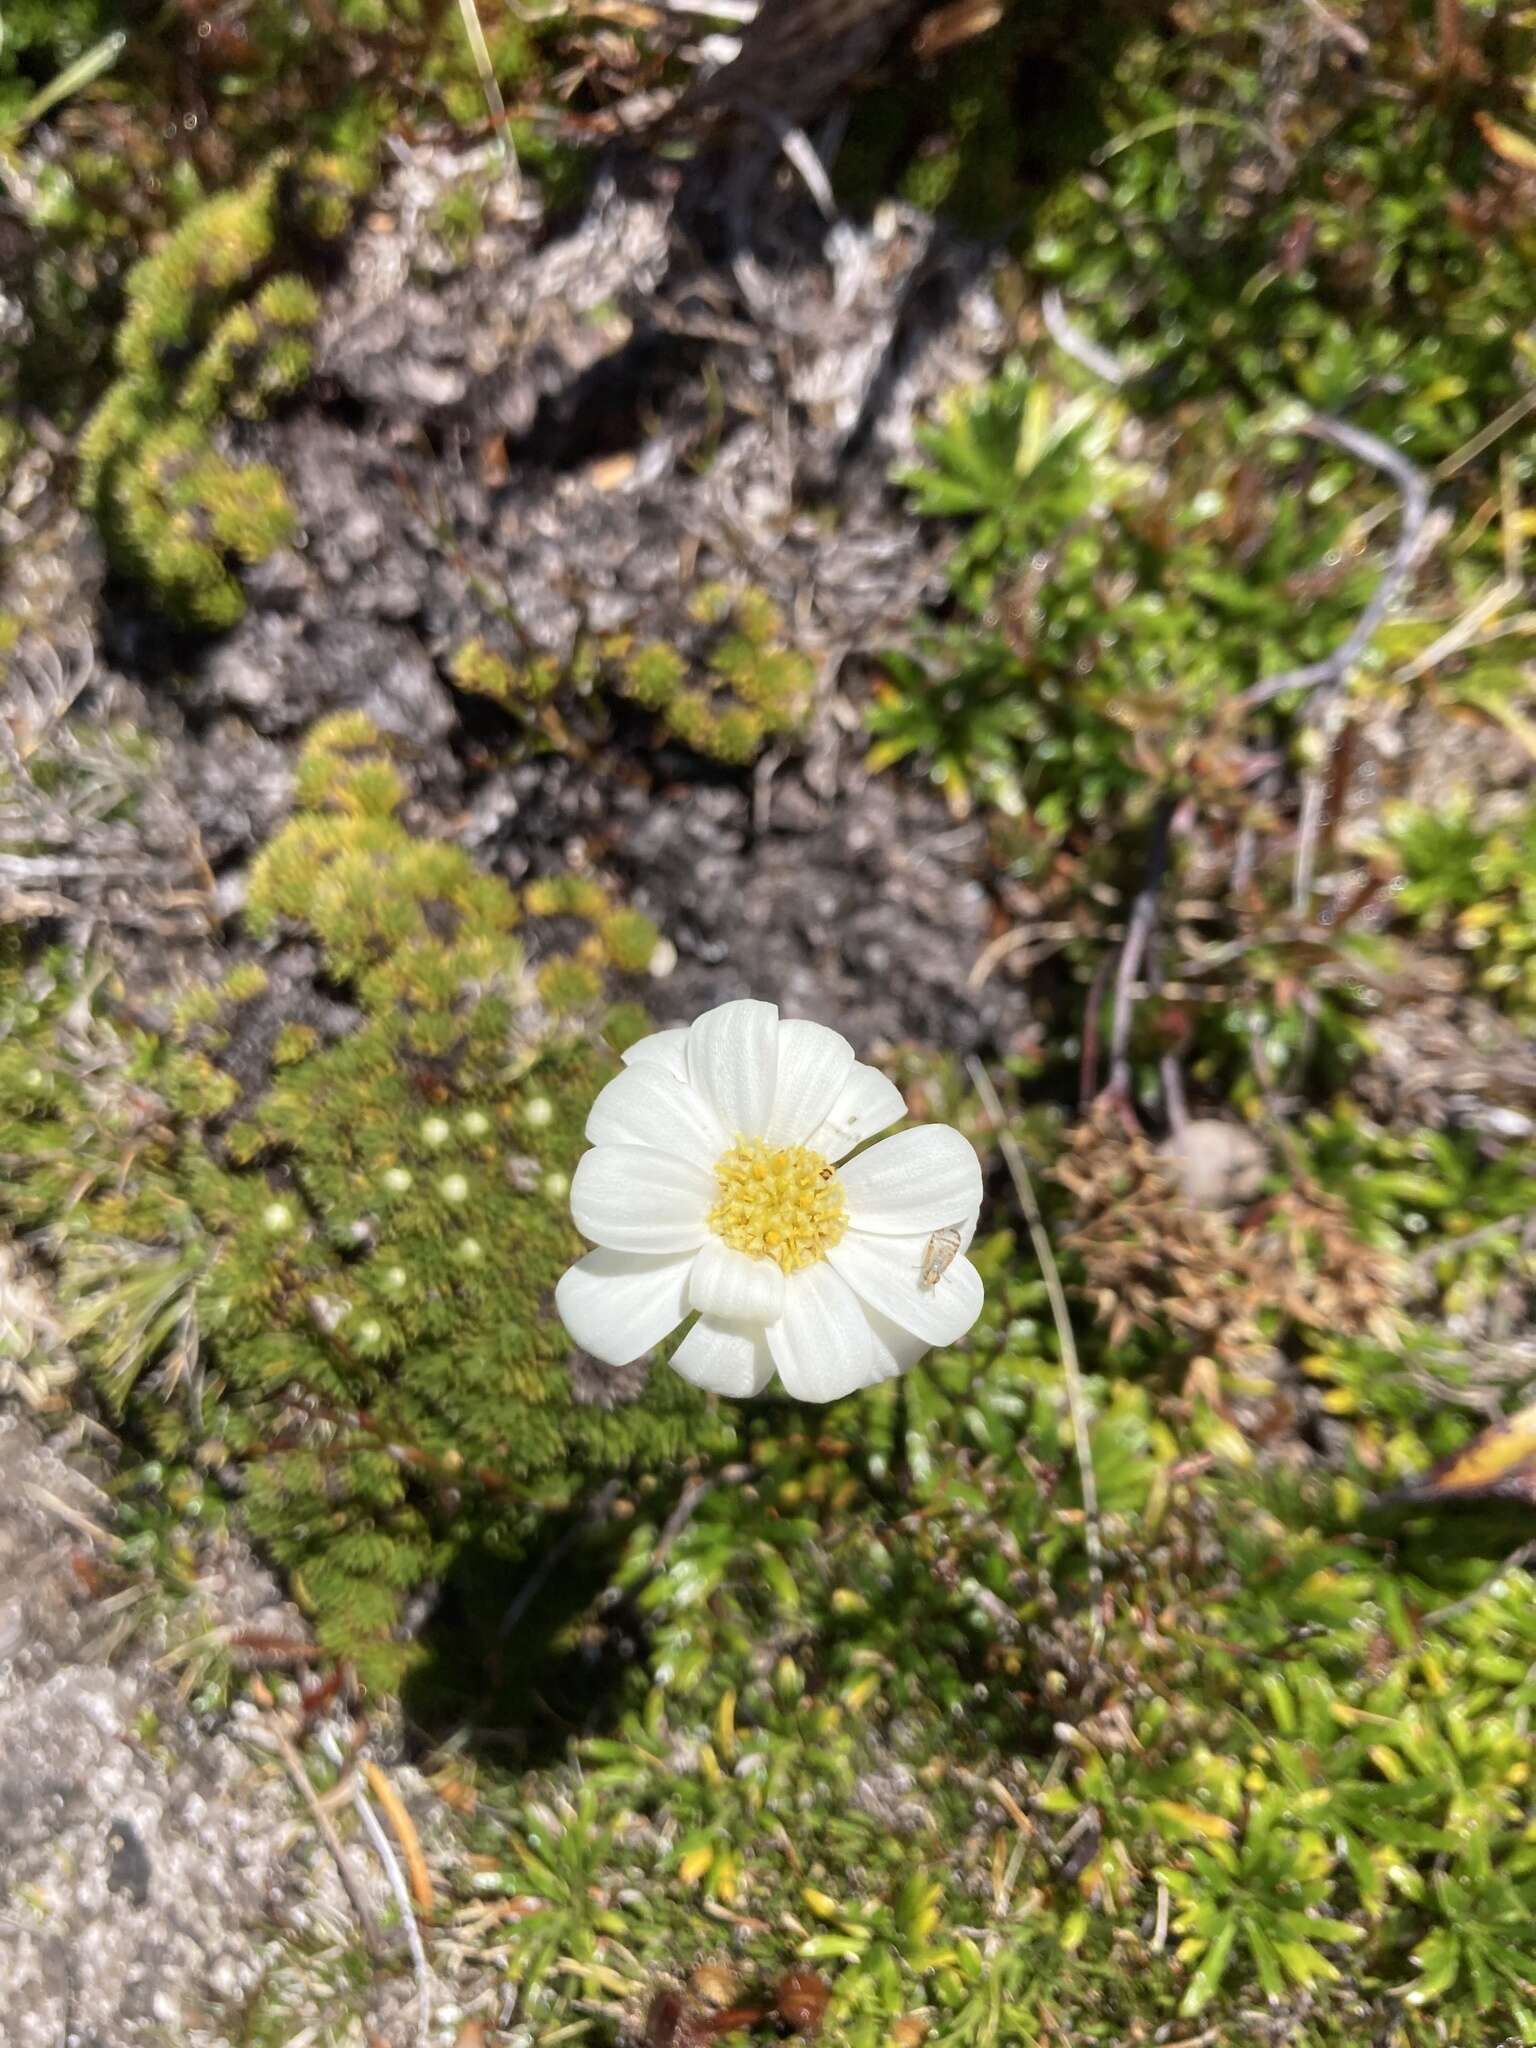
{"x": 681, "y": 2019}
{"x": 1227, "y": 1285}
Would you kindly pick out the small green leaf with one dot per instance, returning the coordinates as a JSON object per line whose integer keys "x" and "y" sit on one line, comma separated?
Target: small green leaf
{"x": 1206, "y": 1981}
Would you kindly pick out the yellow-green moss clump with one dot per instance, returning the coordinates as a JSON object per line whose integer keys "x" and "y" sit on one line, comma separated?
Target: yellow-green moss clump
{"x": 331, "y": 1284}
{"x": 208, "y": 334}
{"x": 622, "y": 940}
{"x": 484, "y": 673}
{"x": 724, "y": 684}
{"x": 744, "y": 685}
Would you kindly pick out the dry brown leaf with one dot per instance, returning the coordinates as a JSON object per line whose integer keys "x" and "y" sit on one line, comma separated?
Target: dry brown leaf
{"x": 1509, "y": 143}
{"x": 957, "y": 23}
{"x": 1498, "y": 1464}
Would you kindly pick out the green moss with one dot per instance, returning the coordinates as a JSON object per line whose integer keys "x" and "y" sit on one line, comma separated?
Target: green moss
{"x": 185, "y": 512}
{"x": 217, "y": 248}
{"x": 567, "y": 895}
{"x": 569, "y": 986}
{"x": 629, "y": 940}
{"x": 652, "y": 674}
{"x": 742, "y": 684}
{"x": 294, "y": 1042}
{"x": 361, "y": 1265}
{"x": 625, "y": 1024}
{"x": 480, "y": 670}
{"x": 206, "y": 338}
{"x": 259, "y": 351}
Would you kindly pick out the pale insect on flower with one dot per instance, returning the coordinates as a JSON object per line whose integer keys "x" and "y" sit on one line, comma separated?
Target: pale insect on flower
{"x": 939, "y": 1254}
{"x": 725, "y": 1183}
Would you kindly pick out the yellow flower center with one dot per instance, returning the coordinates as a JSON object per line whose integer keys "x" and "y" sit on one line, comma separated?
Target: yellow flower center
{"x": 782, "y": 1203}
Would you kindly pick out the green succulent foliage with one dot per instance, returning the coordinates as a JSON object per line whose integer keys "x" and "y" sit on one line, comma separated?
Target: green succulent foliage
{"x": 1482, "y": 1947}
{"x": 1098, "y": 600}
{"x": 209, "y": 336}
{"x": 1473, "y": 881}
{"x": 1262, "y": 1895}
{"x": 1020, "y": 467}
{"x": 331, "y": 1283}
{"x": 1428, "y": 1188}
{"x": 1367, "y": 255}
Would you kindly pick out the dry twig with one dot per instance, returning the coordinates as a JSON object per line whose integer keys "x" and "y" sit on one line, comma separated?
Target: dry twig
{"x": 1072, "y": 341}
{"x": 475, "y": 36}
{"x": 374, "y": 1830}
{"x": 405, "y": 1834}
{"x": 1077, "y": 1406}
{"x": 1138, "y": 935}
{"x": 1413, "y": 489}
{"x": 275, "y": 1739}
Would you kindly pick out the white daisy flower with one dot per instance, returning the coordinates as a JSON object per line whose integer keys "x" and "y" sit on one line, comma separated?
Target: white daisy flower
{"x": 715, "y": 1185}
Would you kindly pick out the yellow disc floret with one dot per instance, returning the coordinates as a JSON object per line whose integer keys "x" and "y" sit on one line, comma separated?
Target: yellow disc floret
{"x": 778, "y": 1202}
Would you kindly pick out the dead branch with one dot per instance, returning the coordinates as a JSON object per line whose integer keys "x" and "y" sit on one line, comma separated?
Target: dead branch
{"x": 1072, "y": 341}
{"x": 1413, "y": 489}
{"x": 276, "y": 1742}
{"x": 1143, "y": 921}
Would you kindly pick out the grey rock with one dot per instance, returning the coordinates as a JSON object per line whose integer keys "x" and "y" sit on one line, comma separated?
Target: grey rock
{"x": 1220, "y": 1165}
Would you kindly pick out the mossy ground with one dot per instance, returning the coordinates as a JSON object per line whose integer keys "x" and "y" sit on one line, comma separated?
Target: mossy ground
{"x": 1243, "y": 1757}
{"x": 337, "y": 1288}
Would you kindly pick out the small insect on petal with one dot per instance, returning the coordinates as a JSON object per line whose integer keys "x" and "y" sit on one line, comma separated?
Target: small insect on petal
{"x": 939, "y": 1254}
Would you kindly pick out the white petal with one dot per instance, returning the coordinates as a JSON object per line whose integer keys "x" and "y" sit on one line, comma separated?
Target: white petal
{"x": 667, "y": 1049}
{"x": 732, "y": 1061}
{"x": 813, "y": 1065}
{"x": 619, "y": 1305}
{"x": 724, "y": 1358}
{"x": 886, "y": 1274}
{"x": 922, "y": 1180}
{"x": 645, "y": 1106}
{"x": 896, "y": 1350}
{"x": 727, "y": 1283}
{"x": 821, "y": 1344}
{"x": 866, "y": 1103}
{"x": 635, "y": 1200}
